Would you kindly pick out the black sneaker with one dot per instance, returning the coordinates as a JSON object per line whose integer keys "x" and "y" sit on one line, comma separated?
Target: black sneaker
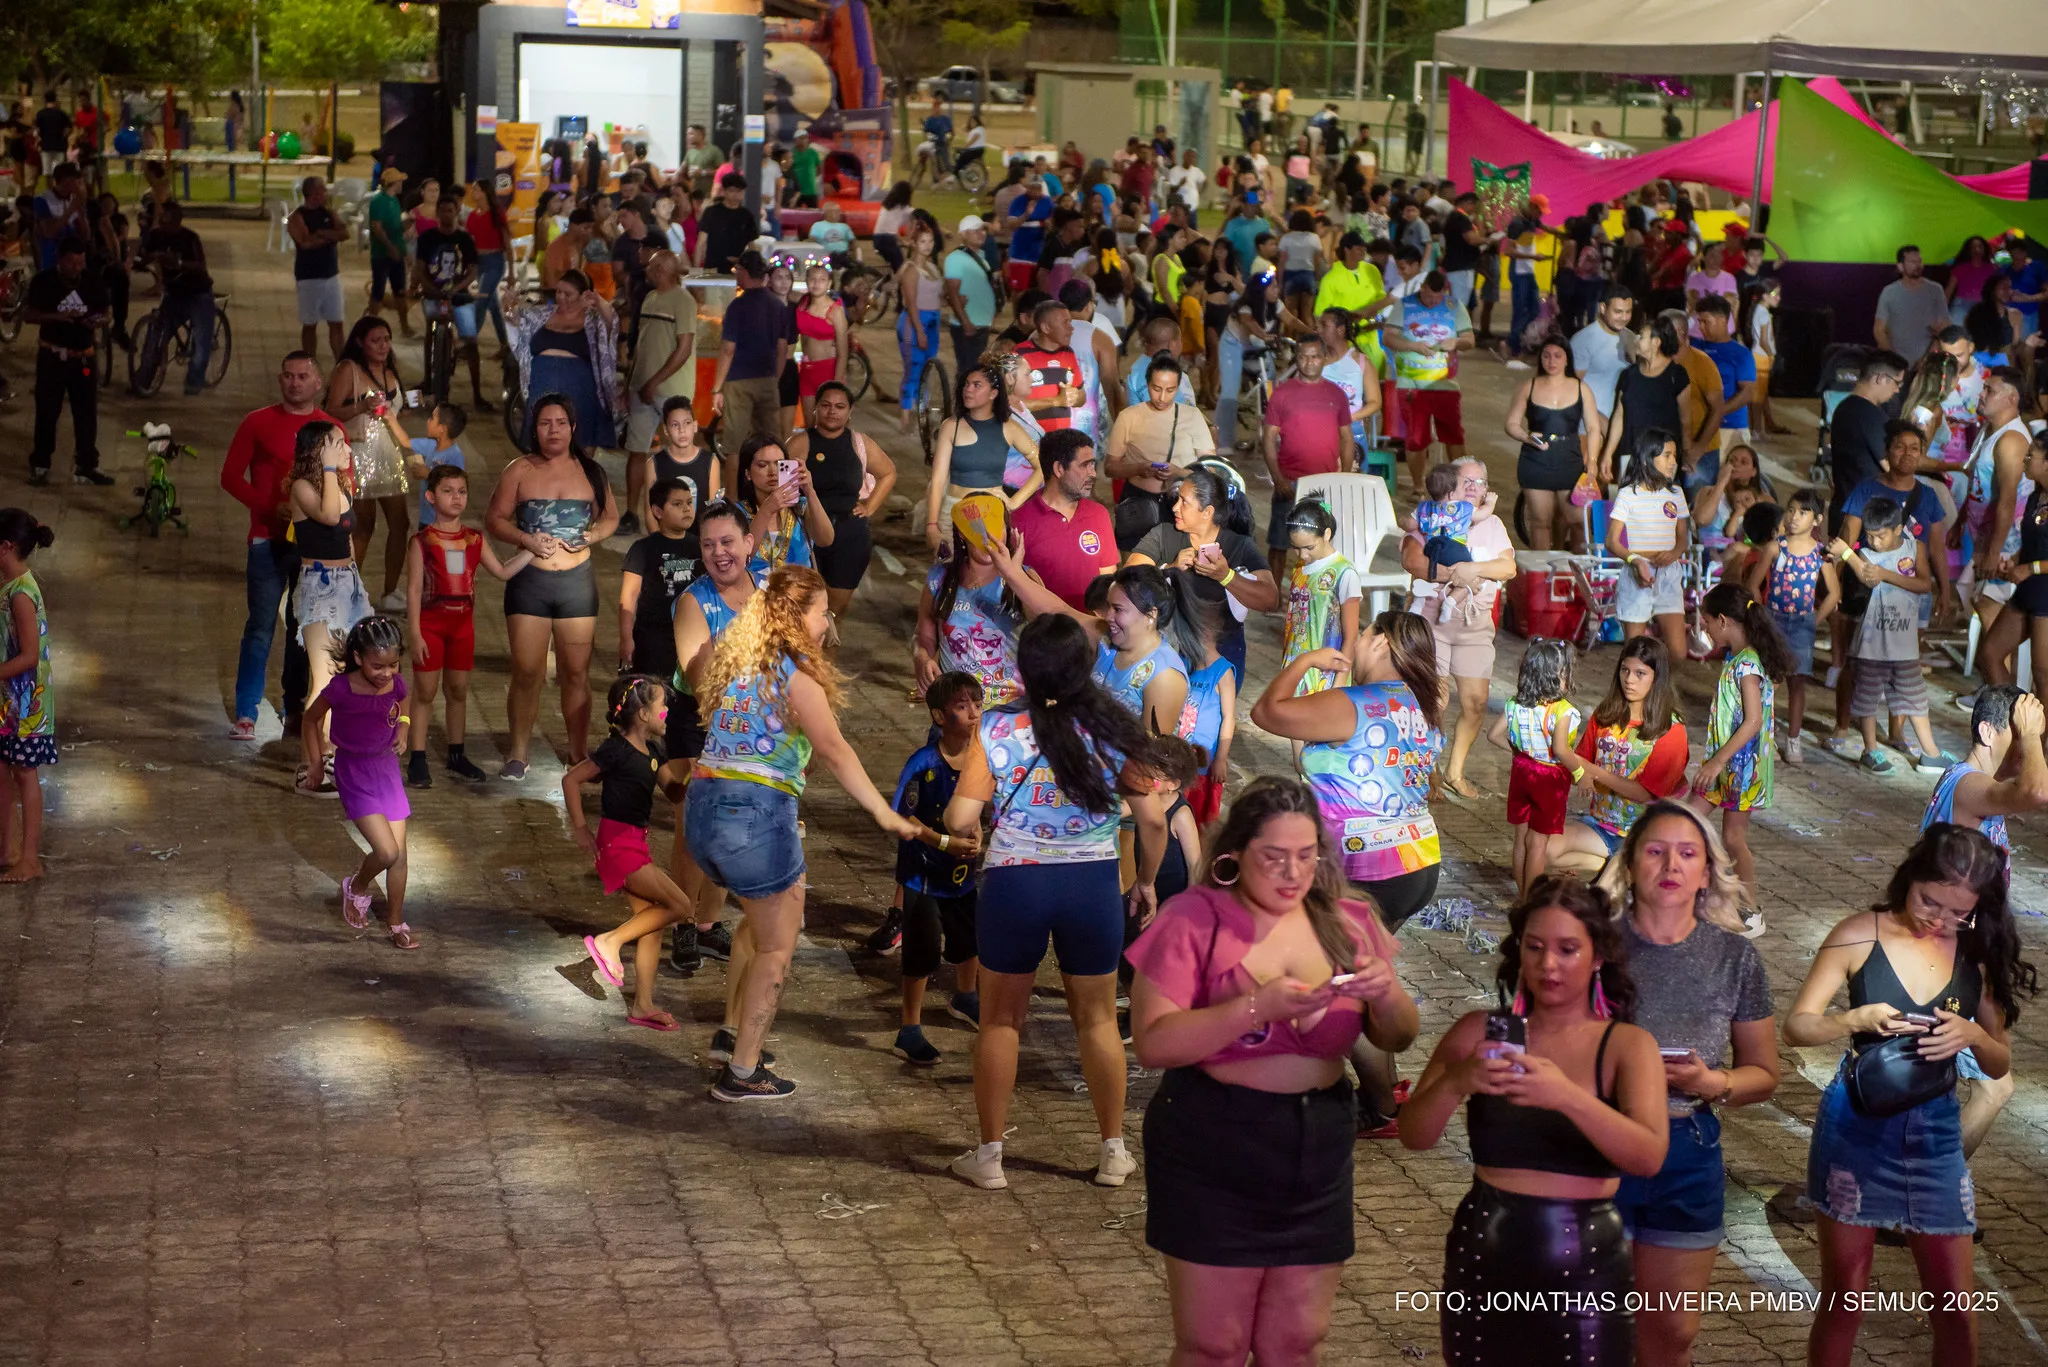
{"x": 629, "y": 525}
{"x": 416, "y": 775}
{"x": 684, "y": 955}
{"x": 912, "y": 1047}
{"x": 715, "y": 943}
{"x": 724, "y": 1041}
{"x": 889, "y": 937}
{"x": 762, "y": 1086}
{"x": 462, "y": 767}
{"x": 93, "y": 477}
{"x": 38, "y": 475}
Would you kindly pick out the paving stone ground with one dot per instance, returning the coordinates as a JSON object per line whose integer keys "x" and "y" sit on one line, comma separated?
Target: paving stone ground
{"x": 231, "y": 1132}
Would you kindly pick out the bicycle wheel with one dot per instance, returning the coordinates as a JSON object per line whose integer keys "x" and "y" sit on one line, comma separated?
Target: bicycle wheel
{"x": 440, "y": 360}
{"x": 147, "y": 362}
{"x": 513, "y": 405}
{"x": 16, "y": 305}
{"x": 103, "y": 342}
{"x": 858, "y": 376}
{"x": 974, "y": 177}
{"x": 934, "y": 406}
{"x": 223, "y": 347}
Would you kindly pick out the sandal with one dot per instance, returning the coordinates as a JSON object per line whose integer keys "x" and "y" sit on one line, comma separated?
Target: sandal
{"x": 355, "y": 906}
{"x": 658, "y": 1020}
{"x": 403, "y": 938}
{"x": 615, "y": 976}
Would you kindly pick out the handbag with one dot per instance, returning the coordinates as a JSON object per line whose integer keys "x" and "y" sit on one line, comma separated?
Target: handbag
{"x": 1585, "y": 491}
{"x": 1890, "y": 1077}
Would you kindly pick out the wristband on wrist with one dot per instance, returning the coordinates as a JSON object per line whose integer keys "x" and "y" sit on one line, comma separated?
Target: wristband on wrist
{"x": 1578, "y": 773}
{"x": 945, "y": 843}
{"x": 1228, "y": 576}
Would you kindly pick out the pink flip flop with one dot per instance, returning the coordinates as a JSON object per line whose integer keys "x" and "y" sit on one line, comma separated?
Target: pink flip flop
{"x": 604, "y": 970}
{"x": 663, "y": 1022}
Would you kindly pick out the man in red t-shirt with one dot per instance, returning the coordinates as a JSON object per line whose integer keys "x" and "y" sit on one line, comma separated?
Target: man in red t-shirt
{"x": 1069, "y": 538}
{"x": 1308, "y": 432}
{"x": 258, "y": 472}
{"x": 1055, "y": 373}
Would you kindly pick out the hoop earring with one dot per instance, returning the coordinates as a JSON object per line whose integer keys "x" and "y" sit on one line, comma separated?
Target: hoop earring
{"x": 1521, "y": 1002}
{"x": 1216, "y": 871}
{"x": 1601, "y": 1007}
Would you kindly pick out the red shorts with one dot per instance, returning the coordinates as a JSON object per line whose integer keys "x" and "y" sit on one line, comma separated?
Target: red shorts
{"x": 451, "y": 640}
{"x": 1538, "y": 795}
{"x": 621, "y": 851}
{"x": 1205, "y": 799}
{"x": 1423, "y": 409}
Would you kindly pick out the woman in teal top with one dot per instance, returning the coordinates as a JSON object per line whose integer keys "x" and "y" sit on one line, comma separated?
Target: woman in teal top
{"x": 773, "y": 697}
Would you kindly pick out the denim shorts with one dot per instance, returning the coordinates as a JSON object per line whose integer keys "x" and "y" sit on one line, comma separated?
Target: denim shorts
{"x": 1079, "y": 907}
{"x": 1904, "y": 1172}
{"x": 1635, "y": 601}
{"x": 1607, "y": 837}
{"x": 1681, "y": 1206}
{"x": 1798, "y": 631}
{"x": 743, "y": 835}
{"x": 332, "y": 596}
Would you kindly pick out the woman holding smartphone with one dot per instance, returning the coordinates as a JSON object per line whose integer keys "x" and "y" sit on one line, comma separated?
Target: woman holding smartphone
{"x": 1563, "y": 1098}
{"x": 1939, "y": 958}
{"x": 1700, "y": 989}
{"x": 787, "y": 522}
{"x": 1250, "y": 989}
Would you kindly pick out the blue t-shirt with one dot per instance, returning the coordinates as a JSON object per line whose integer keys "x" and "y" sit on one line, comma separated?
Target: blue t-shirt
{"x": 1035, "y": 823}
{"x": 1127, "y": 686}
{"x": 1242, "y": 233}
{"x": 1923, "y": 508}
{"x": 1201, "y": 717}
{"x": 837, "y": 237}
{"x": 922, "y": 792}
{"x": 1738, "y": 367}
{"x": 939, "y": 127}
{"x": 434, "y": 455}
{"x": 2028, "y": 281}
{"x": 1027, "y": 243}
{"x": 1137, "y": 391}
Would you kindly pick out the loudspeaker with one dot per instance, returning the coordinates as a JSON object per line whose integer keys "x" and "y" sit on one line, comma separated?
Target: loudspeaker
{"x": 1803, "y": 334}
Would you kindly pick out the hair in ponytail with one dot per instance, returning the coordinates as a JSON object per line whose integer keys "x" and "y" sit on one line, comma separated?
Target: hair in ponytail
{"x": 631, "y": 697}
{"x": 20, "y": 529}
{"x": 1076, "y": 725}
{"x": 367, "y": 637}
{"x": 1730, "y": 599}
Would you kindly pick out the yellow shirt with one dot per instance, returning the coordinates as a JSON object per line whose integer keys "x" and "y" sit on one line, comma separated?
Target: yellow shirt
{"x": 1346, "y": 288}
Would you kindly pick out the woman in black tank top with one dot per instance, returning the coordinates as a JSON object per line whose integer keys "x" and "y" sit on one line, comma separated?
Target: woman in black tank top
{"x": 851, "y": 478}
{"x": 1941, "y": 946}
{"x": 1555, "y": 1119}
{"x": 329, "y": 598}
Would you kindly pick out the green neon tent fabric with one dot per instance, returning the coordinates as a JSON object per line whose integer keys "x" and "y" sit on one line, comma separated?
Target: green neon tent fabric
{"x": 1845, "y": 193}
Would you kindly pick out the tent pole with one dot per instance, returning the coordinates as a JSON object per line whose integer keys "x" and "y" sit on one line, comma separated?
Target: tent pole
{"x": 1763, "y": 128}
{"x": 1429, "y": 136}
{"x": 1358, "y": 54}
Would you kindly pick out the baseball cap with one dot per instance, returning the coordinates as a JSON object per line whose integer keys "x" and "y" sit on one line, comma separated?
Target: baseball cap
{"x": 972, "y": 224}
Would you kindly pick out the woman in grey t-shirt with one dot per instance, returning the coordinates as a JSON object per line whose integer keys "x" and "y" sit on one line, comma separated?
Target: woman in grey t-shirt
{"x": 1700, "y": 986}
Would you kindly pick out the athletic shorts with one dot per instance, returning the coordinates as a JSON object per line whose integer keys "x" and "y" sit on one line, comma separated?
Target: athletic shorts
{"x": 320, "y": 301}
{"x": 1401, "y": 896}
{"x": 1894, "y": 688}
{"x": 936, "y": 926}
{"x": 555, "y": 594}
{"x": 1664, "y": 596}
{"x": 643, "y": 421}
{"x": 1079, "y": 907}
{"x": 386, "y": 271}
{"x": 1538, "y": 795}
{"x": 1433, "y": 410}
{"x": 450, "y": 638}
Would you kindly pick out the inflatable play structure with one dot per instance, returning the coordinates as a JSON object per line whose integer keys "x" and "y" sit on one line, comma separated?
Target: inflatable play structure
{"x": 1724, "y": 158}
{"x": 823, "y": 80}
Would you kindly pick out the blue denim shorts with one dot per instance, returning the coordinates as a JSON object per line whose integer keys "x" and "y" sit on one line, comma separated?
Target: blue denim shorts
{"x": 1079, "y": 907}
{"x": 1681, "y": 1207}
{"x": 743, "y": 835}
{"x": 1607, "y": 837}
{"x": 1798, "y": 631}
{"x": 1904, "y": 1172}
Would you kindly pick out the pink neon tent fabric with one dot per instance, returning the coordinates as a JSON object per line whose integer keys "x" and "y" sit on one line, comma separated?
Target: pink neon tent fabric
{"x": 1571, "y": 179}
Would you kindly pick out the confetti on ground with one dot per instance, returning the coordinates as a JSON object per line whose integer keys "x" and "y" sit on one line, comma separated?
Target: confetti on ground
{"x": 1120, "y": 1221}
{"x": 1447, "y": 913}
{"x": 836, "y": 1209}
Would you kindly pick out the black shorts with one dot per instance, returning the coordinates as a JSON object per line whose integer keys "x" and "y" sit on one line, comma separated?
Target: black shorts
{"x": 556, "y": 594}
{"x": 1554, "y": 471}
{"x": 1403, "y": 895}
{"x": 2031, "y": 595}
{"x": 786, "y": 384}
{"x": 844, "y": 563}
{"x": 1242, "y": 1178}
{"x": 929, "y": 920}
{"x": 685, "y": 734}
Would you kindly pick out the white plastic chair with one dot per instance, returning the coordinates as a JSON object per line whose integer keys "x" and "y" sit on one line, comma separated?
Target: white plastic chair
{"x": 277, "y": 238}
{"x": 1365, "y": 518}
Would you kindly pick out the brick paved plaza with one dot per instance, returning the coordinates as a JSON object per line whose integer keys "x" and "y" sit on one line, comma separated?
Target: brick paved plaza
{"x": 231, "y": 1132}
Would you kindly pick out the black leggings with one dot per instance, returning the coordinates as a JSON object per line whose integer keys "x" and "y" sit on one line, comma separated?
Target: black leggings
{"x": 1504, "y": 1251}
{"x": 1403, "y": 895}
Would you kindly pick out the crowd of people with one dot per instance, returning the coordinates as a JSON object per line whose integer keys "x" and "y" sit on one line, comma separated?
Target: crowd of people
{"x": 1084, "y": 665}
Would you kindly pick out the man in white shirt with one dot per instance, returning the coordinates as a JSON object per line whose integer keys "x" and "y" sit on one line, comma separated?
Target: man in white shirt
{"x": 1187, "y": 180}
{"x": 1604, "y": 348}
{"x": 1407, "y": 274}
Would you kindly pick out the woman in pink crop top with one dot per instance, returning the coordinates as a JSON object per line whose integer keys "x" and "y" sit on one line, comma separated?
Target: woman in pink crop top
{"x": 1248, "y": 1139}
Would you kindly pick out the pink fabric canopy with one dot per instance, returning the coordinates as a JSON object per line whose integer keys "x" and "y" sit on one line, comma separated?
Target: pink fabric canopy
{"x": 1571, "y": 179}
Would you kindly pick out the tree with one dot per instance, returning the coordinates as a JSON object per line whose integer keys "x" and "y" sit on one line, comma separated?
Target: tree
{"x": 332, "y": 40}
{"x": 989, "y": 27}
{"x": 903, "y": 30}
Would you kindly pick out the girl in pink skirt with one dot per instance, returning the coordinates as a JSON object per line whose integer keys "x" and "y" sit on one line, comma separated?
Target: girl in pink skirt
{"x": 369, "y": 729}
{"x": 631, "y": 765}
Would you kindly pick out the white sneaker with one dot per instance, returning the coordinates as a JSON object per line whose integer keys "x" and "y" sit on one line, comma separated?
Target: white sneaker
{"x": 393, "y": 601}
{"x": 1116, "y": 1164}
{"x": 1795, "y": 753}
{"x": 1752, "y": 925}
{"x": 984, "y": 1173}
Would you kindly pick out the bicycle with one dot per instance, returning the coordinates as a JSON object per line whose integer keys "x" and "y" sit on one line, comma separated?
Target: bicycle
{"x": 934, "y": 403}
{"x": 441, "y": 343}
{"x": 13, "y": 301}
{"x": 159, "y": 494}
{"x": 155, "y": 354}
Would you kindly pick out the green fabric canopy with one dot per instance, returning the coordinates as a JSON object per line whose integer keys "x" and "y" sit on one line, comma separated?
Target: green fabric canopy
{"x": 1843, "y": 192}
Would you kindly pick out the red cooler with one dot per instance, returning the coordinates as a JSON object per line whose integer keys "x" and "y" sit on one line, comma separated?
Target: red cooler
{"x": 1544, "y": 601}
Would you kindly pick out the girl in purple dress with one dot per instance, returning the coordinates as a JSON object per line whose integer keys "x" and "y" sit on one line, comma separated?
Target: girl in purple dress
{"x": 369, "y": 729}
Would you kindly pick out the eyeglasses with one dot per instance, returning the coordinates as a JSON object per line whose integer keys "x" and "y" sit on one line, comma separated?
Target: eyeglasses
{"x": 1277, "y": 863}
